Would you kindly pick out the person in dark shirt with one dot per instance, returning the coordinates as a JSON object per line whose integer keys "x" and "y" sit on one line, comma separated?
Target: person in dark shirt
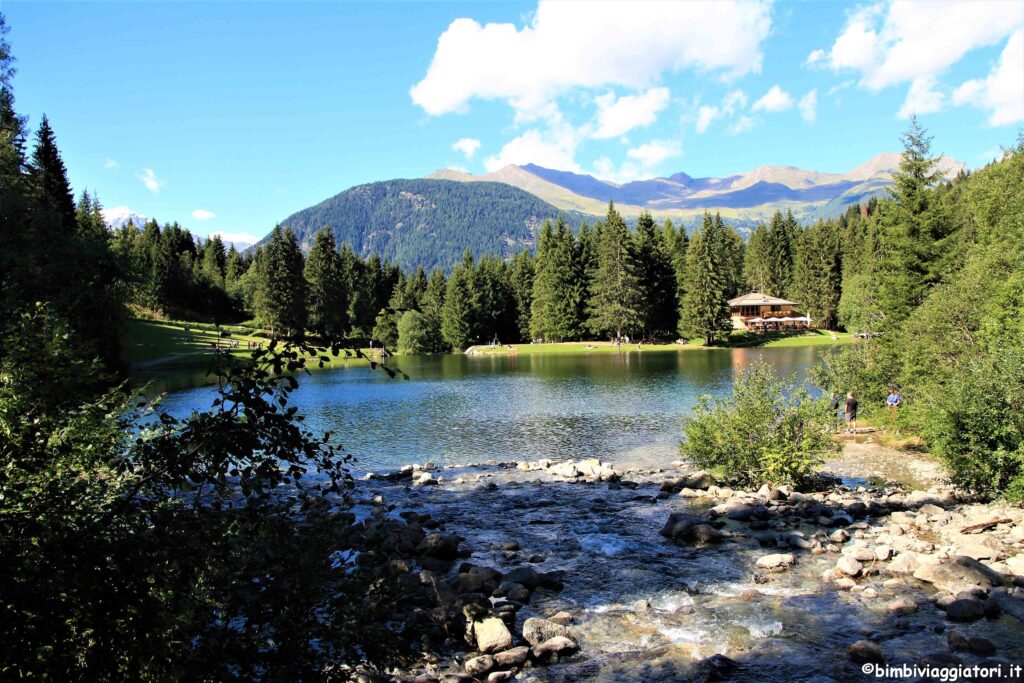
{"x": 835, "y": 404}
{"x": 851, "y": 413}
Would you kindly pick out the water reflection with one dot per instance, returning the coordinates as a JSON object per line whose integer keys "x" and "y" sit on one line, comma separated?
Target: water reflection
{"x": 462, "y": 409}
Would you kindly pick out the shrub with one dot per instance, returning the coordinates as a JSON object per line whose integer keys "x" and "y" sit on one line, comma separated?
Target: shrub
{"x": 766, "y": 432}
{"x": 413, "y": 333}
{"x": 976, "y": 425}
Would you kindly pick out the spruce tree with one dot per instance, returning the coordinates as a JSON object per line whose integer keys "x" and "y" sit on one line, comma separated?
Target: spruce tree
{"x": 327, "y": 294}
{"x": 705, "y": 308}
{"x": 522, "y": 292}
{"x": 757, "y": 261}
{"x": 432, "y": 307}
{"x": 557, "y": 286}
{"x": 283, "y": 285}
{"x": 657, "y": 278}
{"x": 459, "y": 309}
{"x": 49, "y": 179}
{"x": 616, "y": 300}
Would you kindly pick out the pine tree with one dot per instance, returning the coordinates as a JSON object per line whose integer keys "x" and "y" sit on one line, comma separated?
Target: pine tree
{"x": 757, "y": 261}
{"x": 705, "y": 307}
{"x": 906, "y": 243}
{"x": 49, "y": 179}
{"x": 817, "y": 273}
{"x": 616, "y": 301}
{"x": 432, "y": 308}
{"x": 657, "y": 278}
{"x": 557, "y": 286}
{"x": 522, "y": 291}
{"x": 676, "y": 242}
{"x": 459, "y": 310}
{"x": 282, "y": 300}
{"x": 327, "y": 294}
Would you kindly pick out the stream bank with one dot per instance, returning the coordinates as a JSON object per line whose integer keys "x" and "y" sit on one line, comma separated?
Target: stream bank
{"x": 660, "y": 574}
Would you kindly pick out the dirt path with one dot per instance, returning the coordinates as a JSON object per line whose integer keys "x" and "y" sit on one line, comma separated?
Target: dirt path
{"x": 863, "y": 458}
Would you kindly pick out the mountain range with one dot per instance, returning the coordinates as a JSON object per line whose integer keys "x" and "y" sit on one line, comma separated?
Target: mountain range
{"x": 744, "y": 196}
{"x": 431, "y": 221}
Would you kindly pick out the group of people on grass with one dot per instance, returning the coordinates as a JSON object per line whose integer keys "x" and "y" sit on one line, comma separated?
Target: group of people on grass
{"x": 848, "y": 410}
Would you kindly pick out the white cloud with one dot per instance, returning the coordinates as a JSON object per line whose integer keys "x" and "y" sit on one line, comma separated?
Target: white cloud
{"x": 642, "y": 162}
{"x": 916, "y": 41}
{"x": 776, "y": 99}
{"x": 203, "y": 215}
{"x": 590, "y": 45}
{"x": 467, "y": 146}
{"x": 1003, "y": 91}
{"x": 553, "y": 148}
{"x": 652, "y": 153}
{"x": 742, "y": 125}
{"x": 809, "y": 106}
{"x": 149, "y": 179}
{"x": 839, "y": 86}
{"x": 922, "y": 98}
{"x": 731, "y": 103}
{"x": 705, "y": 115}
{"x": 237, "y": 238}
{"x": 815, "y": 57}
{"x": 618, "y": 116}
{"x": 110, "y": 164}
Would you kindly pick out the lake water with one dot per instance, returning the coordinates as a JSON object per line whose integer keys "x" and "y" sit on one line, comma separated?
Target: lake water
{"x": 456, "y": 410}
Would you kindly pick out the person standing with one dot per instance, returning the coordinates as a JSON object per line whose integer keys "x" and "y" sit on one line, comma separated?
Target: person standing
{"x": 851, "y": 413}
{"x": 837, "y": 414}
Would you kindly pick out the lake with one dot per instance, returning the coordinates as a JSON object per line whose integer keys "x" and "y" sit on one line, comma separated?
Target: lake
{"x": 457, "y": 410}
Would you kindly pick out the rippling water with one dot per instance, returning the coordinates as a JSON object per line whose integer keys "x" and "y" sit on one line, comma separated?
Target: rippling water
{"x": 456, "y": 410}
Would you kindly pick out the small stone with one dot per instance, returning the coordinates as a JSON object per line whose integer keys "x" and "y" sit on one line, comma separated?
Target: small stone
{"x": 965, "y": 609}
{"x": 982, "y": 646}
{"x": 839, "y": 536}
{"x": 903, "y": 605}
{"x": 478, "y": 666}
{"x": 957, "y": 642}
{"x": 865, "y": 651}
{"x": 849, "y": 566}
{"x": 492, "y": 635}
{"x": 558, "y": 645}
{"x": 776, "y": 562}
{"x": 514, "y": 657}
{"x": 561, "y": 618}
{"x": 537, "y": 630}
{"x": 500, "y": 676}
{"x": 883, "y": 552}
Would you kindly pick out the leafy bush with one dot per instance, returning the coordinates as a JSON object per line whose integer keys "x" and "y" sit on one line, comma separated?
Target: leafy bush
{"x": 766, "y": 432}
{"x": 977, "y": 425}
{"x": 413, "y": 333}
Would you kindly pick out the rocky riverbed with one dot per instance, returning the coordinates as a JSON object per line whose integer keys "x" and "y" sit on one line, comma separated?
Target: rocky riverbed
{"x": 578, "y": 571}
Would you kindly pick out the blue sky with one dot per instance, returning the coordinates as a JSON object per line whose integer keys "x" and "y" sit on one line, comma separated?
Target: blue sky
{"x": 230, "y": 116}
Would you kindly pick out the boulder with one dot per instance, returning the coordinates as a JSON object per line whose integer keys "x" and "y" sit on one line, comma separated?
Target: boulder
{"x": 440, "y": 546}
{"x": 525, "y": 576}
{"x": 901, "y": 606}
{"x": 904, "y": 563}
{"x": 514, "y": 657}
{"x": 537, "y": 631}
{"x": 776, "y": 562}
{"x": 478, "y": 666}
{"x": 864, "y": 652}
{"x": 698, "y": 480}
{"x": 959, "y": 574}
{"x": 500, "y": 676}
{"x": 706, "y": 534}
{"x": 965, "y": 609}
{"x": 491, "y": 635}
{"x": 849, "y": 566}
{"x": 558, "y": 645}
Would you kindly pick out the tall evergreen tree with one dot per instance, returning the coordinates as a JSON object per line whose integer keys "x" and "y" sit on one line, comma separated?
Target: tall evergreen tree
{"x": 817, "y": 273}
{"x": 49, "y": 179}
{"x": 282, "y": 300}
{"x": 522, "y": 291}
{"x": 616, "y": 300}
{"x": 657, "y": 278}
{"x": 557, "y": 287}
{"x": 327, "y": 292}
{"x": 757, "y": 261}
{"x": 458, "y": 313}
{"x": 432, "y": 307}
{"x": 705, "y": 308}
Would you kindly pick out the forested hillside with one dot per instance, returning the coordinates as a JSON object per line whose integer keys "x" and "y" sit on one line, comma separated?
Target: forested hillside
{"x": 428, "y": 223}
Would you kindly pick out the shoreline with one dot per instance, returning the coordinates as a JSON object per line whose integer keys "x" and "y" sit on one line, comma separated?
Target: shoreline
{"x": 753, "y": 583}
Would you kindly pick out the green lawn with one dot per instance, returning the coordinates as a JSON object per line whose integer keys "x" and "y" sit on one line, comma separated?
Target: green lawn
{"x": 159, "y": 343}
{"x": 738, "y": 340}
